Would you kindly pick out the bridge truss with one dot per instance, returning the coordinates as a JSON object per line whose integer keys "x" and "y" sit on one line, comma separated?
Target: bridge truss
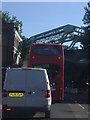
{"x": 64, "y": 35}
{"x": 75, "y": 59}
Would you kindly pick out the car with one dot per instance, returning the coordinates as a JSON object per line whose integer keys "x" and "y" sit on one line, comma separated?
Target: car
{"x": 25, "y": 90}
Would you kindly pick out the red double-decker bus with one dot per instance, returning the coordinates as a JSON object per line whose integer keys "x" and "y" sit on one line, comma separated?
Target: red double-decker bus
{"x": 50, "y": 57}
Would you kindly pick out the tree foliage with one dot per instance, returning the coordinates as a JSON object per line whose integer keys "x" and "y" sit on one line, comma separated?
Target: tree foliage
{"x": 13, "y": 19}
{"x": 85, "y": 39}
{"x": 17, "y": 24}
{"x": 86, "y": 18}
{"x": 25, "y": 47}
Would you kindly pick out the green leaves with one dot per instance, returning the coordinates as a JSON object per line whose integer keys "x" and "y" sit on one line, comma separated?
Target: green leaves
{"x": 13, "y": 19}
{"x": 86, "y": 18}
{"x": 25, "y": 48}
{"x": 85, "y": 39}
{"x": 6, "y": 16}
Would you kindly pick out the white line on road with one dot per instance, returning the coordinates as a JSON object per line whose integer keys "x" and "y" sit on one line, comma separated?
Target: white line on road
{"x": 39, "y": 114}
{"x": 84, "y": 108}
{"x": 81, "y": 106}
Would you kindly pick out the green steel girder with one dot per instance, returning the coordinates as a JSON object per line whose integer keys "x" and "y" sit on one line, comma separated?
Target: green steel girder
{"x": 59, "y": 35}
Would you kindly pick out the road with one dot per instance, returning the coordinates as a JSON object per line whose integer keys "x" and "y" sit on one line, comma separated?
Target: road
{"x": 74, "y": 106}
{"x": 71, "y": 107}
{"x": 69, "y": 111}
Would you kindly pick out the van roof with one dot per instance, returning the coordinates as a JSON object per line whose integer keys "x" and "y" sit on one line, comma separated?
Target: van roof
{"x": 24, "y": 68}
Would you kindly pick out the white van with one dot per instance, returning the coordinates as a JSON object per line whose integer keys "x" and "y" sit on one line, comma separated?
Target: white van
{"x": 25, "y": 90}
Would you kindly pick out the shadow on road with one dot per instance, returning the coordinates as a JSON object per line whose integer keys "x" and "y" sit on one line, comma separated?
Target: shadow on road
{"x": 15, "y": 116}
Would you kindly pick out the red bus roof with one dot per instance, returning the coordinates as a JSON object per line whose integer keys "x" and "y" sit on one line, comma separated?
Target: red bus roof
{"x": 46, "y": 44}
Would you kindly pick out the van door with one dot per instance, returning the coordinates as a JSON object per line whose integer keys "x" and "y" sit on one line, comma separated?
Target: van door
{"x": 15, "y": 85}
{"x": 35, "y": 86}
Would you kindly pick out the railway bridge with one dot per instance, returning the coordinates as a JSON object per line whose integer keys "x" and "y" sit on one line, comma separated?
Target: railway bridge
{"x": 76, "y": 58}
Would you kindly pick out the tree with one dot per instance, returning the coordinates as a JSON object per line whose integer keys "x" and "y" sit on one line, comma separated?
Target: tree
{"x": 25, "y": 47}
{"x": 85, "y": 38}
{"x": 8, "y": 19}
{"x": 5, "y": 16}
{"x": 17, "y": 24}
{"x": 86, "y": 18}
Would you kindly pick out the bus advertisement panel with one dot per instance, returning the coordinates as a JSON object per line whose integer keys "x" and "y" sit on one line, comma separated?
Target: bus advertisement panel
{"x": 51, "y": 58}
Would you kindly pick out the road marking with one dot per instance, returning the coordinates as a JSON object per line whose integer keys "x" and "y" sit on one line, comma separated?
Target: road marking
{"x": 84, "y": 108}
{"x": 39, "y": 114}
{"x": 0, "y": 107}
{"x": 81, "y": 106}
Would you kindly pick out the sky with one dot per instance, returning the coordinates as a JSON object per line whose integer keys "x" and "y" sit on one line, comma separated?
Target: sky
{"x": 38, "y": 17}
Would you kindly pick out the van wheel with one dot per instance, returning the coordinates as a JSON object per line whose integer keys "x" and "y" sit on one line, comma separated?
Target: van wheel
{"x": 47, "y": 114}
